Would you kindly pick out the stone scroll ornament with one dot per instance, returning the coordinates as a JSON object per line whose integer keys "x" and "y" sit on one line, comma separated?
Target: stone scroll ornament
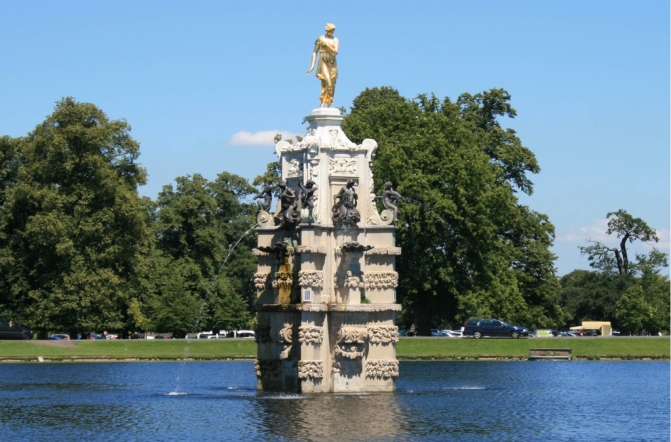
{"x": 383, "y": 334}
{"x": 311, "y": 278}
{"x": 382, "y": 368}
{"x": 308, "y": 334}
{"x": 380, "y": 280}
{"x": 344, "y": 205}
{"x": 261, "y": 280}
{"x": 310, "y": 369}
{"x": 286, "y": 338}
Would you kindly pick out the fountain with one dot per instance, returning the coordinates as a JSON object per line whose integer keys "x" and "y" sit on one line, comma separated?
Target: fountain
{"x": 322, "y": 250}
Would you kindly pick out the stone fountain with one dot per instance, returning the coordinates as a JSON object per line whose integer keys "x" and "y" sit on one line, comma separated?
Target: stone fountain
{"x": 325, "y": 280}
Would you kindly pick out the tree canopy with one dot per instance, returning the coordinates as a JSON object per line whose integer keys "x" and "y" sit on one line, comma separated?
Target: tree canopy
{"x": 73, "y": 231}
{"x": 469, "y": 247}
{"x": 631, "y": 293}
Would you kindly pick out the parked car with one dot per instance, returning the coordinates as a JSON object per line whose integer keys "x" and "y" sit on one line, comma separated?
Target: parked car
{"x": 246, "y": 334}
{"x": 61, "y": 336}
{"x": 454, "y": 333}
{"x": 479, "y": 327}
{"x": 12, "y": 330}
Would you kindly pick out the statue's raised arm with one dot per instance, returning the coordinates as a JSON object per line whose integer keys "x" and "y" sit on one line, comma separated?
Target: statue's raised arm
{"x": 326, "y": 47}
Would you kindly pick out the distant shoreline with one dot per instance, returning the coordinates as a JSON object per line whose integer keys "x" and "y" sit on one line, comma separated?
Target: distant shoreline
{"x": 407, "y": 349}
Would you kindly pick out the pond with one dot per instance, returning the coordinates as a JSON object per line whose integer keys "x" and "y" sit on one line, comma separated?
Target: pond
{"x": 461, "y": 401}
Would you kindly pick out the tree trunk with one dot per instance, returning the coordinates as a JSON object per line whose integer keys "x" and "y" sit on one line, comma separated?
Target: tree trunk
{"x": 623, "y": 249}
{"x": 618, "y": 258}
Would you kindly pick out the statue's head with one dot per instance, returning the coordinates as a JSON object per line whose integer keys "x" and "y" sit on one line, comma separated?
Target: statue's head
{"x": 309, "y": 184}
{"x": 349, "y": 273}
{"x": 387, "y": 185}
{"x": 330, "y": 27}
{"x": 350, "y": 183}
{"x": 282, "y": 184}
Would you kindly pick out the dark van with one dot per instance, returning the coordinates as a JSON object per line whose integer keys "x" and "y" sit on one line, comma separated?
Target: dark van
{"x": 494, "y": 328}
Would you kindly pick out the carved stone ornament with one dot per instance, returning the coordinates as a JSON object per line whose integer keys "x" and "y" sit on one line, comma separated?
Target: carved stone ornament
{"x": 287, "y": 333}
{"x": 342, "y": 166}
{"x": 352, "y": 281}
{"x": 257, "y": 252}
{"x": 266, "y": 368}
{"x": 295, "y": 169}
{"x": 308, "y": 334}
{"x": 261, "y": 280}
{"x": 352, "y": 353}
{"x": 354, "y": 246}
{"x": 262, "y": 334}
{"x": 319, "y": 250}
{"x": 384, "y": 251}
{"x": 380, "y": 280}
{"x": 383, "y": 334}
{"x": 311, "y": 278}
{"x": 265, "y": 219}
{"x": 387, "y": 217}
{"x": 382, "y": 368}
{"x": 283, "y": 280}
{"x": 279, "y": 250}
{"x": 310, "y": 369}
{"x": 352, "y": 335}
{"x": 284, "y": 146}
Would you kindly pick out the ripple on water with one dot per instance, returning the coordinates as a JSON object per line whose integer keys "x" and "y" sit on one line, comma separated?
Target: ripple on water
{"x": 460, "y": 401}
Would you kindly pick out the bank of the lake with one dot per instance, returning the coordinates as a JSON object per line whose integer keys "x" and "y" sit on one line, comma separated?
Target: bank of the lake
{"x": 626, "y": 348}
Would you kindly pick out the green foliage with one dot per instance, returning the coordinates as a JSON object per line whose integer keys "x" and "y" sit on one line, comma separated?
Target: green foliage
{"x": 627, "y": 229}
{"x": 73, "y": 231}
{"x": 469, "y": 247}
{"x": 633, "y": 295}
{"x": 197, "y": 224}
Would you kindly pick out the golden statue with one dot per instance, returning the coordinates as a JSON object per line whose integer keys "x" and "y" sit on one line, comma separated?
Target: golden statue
{"x": 327, "y": 69}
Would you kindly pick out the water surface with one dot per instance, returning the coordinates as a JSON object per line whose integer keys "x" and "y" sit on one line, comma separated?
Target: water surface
{"x": 462, "y": 401}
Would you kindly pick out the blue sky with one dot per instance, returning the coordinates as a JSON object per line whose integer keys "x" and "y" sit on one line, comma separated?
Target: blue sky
{"x": 589, "y": 80}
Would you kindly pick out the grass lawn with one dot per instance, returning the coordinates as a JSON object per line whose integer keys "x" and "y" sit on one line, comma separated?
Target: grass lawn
{"x": 407, "y": 348}
{"x": 590, "y": 348}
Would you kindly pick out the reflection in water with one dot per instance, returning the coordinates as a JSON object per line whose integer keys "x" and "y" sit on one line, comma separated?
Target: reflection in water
{"x": 465, "y": 401}
{"x": 331, "y": 416}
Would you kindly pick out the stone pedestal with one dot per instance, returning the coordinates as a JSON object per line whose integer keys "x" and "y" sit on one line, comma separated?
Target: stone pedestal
{"x": 326, "y": 287}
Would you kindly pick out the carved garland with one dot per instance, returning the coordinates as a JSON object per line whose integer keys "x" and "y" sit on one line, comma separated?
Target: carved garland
{"x": 384, "y": 334}
{"x": 380, "y": 280}
{"x": 382, "y": 368}
{"x": 308, "y": 334}
{"x": 311, "y": 278}
{"x": 261, "y": 280}
{"x": 310, "y": 369}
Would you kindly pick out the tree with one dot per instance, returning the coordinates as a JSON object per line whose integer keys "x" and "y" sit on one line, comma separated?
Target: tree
{"x": 469, "y": 247}
{"x": 632, "y": 294}
{"x": 629, "y": 229}
{"x": 73, "y": 231}
{"x": 197, "y": 225}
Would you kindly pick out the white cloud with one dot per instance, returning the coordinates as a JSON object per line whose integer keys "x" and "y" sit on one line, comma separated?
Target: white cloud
{"x": 260, "y": 138}
{"x": 597, "y": 232}
{"x": 664, "y": 243}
